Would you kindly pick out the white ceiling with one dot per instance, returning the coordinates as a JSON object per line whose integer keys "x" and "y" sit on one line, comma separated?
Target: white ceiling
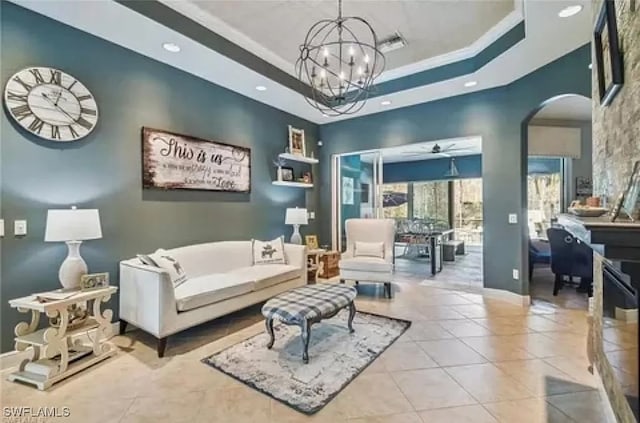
{"x": 431, "y": 28}
{"x": 570, "y": 107}
{"x": 548, "y": 38}
{"x": 452, "y": 147}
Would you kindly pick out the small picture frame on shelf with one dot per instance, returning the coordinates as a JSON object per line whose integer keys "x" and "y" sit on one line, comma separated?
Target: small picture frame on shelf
{"x": 609, "y": 71}
{"x": 94, "y": 281}
{"x": 286, "y": 173}
{"x": 296, "y": 141}
{"x": 311, "y": 241}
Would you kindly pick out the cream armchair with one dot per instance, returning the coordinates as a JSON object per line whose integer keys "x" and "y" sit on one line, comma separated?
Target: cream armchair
{"x": 369, "y": 253}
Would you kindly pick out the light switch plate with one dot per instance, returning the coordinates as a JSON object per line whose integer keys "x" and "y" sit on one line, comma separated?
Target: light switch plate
{"x": 20, "y": 227}
{"x": 516, "y": 274}
{"x": 513, "y": 218}
{"x": 312, "y": 215}
{"x": 1, "y": 227}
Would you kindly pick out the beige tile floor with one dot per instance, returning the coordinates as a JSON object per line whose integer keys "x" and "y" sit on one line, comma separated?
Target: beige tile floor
{"x": 465, "y": 359}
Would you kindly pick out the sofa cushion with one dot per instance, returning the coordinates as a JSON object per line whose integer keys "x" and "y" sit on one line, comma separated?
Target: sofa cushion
{"x": 266, "y": 275}
{"x": 268, "y": 252}
{"x": 198, "y": 292}
{"x": 366, "y": 264}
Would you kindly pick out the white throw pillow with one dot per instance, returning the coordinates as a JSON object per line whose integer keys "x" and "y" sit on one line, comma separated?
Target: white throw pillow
{"x": 369, "y": 249}
{"x": 268, "y": 252}
{"x": 164, "y": 261}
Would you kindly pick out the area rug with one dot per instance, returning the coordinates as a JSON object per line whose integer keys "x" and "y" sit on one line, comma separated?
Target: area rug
{"x": 336, "y": 357}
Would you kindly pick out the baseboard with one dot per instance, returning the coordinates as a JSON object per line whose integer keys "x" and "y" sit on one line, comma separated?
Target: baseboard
{"x": 512, "y": 297}
{"x": 12, "y": 359}
{"x": 626, "y": 315}
{"x": 500, "y": 294}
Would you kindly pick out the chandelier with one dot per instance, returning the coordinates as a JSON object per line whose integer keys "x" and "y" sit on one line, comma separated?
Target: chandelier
{"x": 339, "y": 60}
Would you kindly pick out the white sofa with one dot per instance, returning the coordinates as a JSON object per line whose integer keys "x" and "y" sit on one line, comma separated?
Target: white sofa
{"x": 221, "y": 279}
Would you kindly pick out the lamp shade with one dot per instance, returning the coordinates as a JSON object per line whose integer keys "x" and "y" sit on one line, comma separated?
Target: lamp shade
{"x": 72, "y": 225}
{"x": 296, "y": 217}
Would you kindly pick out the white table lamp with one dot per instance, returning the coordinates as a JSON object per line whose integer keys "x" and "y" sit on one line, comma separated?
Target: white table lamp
{"x": 72, "y": 226}
{"x": 296, "y": 217}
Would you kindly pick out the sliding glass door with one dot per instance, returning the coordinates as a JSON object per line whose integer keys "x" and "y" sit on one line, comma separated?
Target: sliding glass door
{"x": 356, "y": 188}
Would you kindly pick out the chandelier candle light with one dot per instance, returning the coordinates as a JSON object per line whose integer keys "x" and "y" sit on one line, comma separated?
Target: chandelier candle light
{"x": 340, "y": 60}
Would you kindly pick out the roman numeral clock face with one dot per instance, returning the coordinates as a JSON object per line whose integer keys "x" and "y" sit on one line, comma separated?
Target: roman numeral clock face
{"x": 51, "y": 104}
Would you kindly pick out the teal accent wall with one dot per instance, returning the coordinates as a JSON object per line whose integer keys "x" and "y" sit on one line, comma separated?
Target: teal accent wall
{"x": 497, "y": 115}
{"x": 103, "y": 171}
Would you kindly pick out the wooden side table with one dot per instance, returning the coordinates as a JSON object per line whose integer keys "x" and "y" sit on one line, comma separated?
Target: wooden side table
{"x": 328, "y": 265}
{"x": 55, "y": 355}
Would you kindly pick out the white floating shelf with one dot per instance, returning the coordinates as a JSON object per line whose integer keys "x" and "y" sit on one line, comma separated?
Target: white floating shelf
{"x": 298, "y": 158}
{"x": 292, "y": 184}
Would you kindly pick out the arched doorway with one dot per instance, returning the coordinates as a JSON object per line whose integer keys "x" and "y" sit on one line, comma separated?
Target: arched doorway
{"x": 557, "y": 147}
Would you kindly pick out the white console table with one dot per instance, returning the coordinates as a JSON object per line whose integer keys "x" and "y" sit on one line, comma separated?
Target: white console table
{"x": 58, "y": 352}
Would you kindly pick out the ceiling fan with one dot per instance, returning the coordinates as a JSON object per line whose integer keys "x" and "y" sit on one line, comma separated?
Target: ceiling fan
{"x": 438, "y": 150}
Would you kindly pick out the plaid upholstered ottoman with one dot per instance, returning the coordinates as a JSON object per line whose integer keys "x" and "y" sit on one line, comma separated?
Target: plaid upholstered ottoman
{"x": 307, "y": 305}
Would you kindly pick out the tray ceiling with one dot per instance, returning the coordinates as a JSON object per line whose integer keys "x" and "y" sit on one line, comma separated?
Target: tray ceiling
{"x": 431, "y": 28}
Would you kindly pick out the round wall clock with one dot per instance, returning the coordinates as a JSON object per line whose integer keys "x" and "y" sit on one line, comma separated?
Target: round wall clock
{"x": 51, "y": 104}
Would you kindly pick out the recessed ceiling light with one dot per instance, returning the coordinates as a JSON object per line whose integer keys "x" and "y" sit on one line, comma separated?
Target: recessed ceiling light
{"x": 261, "y": 88}
{"x": 171, "y": 47}
{"x": 385, "y": 102}
{"x": 569, "y": 11}
{"x": 469, "y": 84}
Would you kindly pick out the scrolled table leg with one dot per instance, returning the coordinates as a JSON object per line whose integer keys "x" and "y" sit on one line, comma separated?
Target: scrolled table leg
{"x": 55, "y": 341}
{"x": 104, "y": 330}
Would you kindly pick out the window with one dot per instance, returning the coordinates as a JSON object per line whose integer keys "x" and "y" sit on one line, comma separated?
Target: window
{"x": 431, "y": 201}
{"x": 544, "y": 191}
{"x": 395, "y": 201}
{"x": 467, "y": 210}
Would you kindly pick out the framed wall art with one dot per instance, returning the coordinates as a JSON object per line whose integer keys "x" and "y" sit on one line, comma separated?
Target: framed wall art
{"x": 296, "y": 141}
{"x": 609, "y": 71}
{"x": 175, "y": 161}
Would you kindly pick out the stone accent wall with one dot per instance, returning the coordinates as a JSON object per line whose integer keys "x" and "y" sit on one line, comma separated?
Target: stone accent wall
{"x": 616, "y": 128}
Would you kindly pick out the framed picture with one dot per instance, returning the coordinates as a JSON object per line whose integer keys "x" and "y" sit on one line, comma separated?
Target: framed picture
{"x": 94, "y": 281}
{"x": 296, "y": 141}
{"x": 609, "y": 71}
{"x": 347, "y": 190}
{"x": 311, "y": 241}
{"x": 287, "y": 173}
{"x": 584, "y": 186}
